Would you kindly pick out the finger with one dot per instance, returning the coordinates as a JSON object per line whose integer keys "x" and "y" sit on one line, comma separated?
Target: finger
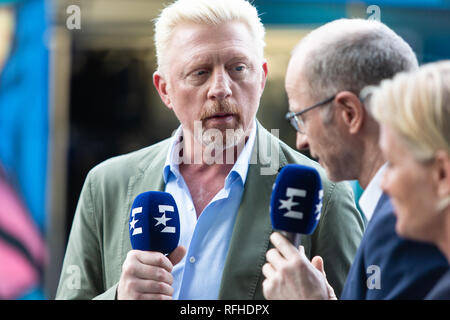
{"x": 301, "y": 253}
{"x": 146, "y": 272}
{"x": 301, "y": 250}
{"x": 274, "y": 257}
{"x": 317, "y": 262}
{"x": 268, "y": 271}
{"x": 153, "y": 287}
{"x": 177, "y": 255}
{"x": 283, "y": 245}
{"x": 156, "y": 259}
{"x": 268, "y": 289}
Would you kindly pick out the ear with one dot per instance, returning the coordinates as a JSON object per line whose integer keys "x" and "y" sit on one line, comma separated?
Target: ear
{"x": 160, "y": 84}
{"x": 351, "y": 110}
{"x": 442, "y": 174}
{"x": 265, "y": 72}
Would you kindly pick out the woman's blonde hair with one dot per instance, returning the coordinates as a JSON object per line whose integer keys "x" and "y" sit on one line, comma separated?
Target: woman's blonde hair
{"x": 206, "y": 12}
{"x": 417, "y": 106}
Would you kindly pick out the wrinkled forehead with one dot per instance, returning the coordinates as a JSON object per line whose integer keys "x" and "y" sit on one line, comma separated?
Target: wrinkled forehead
{"x": 204, "y": 34}
{"x": 195, "y": 39}
{"x": 225, "y": 55}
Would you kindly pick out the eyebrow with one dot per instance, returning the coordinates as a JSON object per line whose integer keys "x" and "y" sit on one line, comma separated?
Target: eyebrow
{"x": 239, "y": 58}
{"x": 206, "y": 59}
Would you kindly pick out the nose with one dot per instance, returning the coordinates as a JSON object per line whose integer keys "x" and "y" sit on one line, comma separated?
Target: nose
{"x": 220, "y": 86}
{"x": 301, "y": 141}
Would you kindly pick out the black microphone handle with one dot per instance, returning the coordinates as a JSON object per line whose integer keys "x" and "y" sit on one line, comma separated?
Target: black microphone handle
{"x": 294, "y": 238}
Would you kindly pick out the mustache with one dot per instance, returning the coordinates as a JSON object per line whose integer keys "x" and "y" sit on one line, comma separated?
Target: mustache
{"x": 217, "y": 107}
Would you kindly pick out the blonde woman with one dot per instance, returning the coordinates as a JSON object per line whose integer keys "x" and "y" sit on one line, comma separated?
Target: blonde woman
{"x": 414, "y": 112}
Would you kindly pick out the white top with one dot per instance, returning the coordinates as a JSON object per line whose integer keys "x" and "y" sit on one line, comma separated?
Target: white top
{"x": 372, "y": 194}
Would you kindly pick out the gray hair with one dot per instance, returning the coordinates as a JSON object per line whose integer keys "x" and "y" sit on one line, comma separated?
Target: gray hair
{"x": 349, "y": 54}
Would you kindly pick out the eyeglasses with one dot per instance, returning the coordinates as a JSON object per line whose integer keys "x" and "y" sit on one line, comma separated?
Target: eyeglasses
{"x": 296, "y": 121}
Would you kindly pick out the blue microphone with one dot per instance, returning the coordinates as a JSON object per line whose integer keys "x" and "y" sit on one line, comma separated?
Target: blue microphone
{"x": 154, "y": 222}
{"x": 296, "y": 201}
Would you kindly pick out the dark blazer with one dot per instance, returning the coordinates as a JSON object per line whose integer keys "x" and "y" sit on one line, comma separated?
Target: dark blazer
{"x": 441, "y": 291}
{"x": 389, "y": 267}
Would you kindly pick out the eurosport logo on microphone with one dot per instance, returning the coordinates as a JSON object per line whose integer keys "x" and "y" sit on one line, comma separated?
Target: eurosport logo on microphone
{"x": 162, "y": 220}
{"x": 289, "y": 203}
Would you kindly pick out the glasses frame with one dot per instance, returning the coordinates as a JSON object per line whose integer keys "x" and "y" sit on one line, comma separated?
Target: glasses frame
{"x": 296, "y": 121}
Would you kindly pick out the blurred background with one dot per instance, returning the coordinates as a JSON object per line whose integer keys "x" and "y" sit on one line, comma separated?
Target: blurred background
{"x": 76, "y": 89}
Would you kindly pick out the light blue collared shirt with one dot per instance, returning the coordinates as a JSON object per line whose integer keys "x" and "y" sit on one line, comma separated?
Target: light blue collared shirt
{"x": 199, "y": 274}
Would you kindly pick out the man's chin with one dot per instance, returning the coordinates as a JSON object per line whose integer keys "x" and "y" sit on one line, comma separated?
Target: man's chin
{"x": 330, "y": 174}
{"x": 335, "y": 176}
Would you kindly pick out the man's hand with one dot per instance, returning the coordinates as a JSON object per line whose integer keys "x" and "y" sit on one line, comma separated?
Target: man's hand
{"x": 291, "y": 276}
{"x": 146, "y": 275}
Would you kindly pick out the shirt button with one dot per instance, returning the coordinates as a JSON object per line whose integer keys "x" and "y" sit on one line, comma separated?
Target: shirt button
{"x": 192, "y": 259}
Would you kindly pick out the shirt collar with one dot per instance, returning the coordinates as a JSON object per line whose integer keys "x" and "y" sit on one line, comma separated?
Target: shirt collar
{"x": 372, "y": 194}
{"x": 240, "y": 168}
{"x": 170, "y": 166}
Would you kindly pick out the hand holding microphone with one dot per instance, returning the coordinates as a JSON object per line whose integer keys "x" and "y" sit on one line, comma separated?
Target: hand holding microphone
{"x": 295, "y": 209}
{"x": 291, "y": 276}
{"x": 154, "y": 228}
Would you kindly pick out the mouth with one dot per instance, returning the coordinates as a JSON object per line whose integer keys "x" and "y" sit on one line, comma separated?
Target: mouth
{"x": 221, "y": 117}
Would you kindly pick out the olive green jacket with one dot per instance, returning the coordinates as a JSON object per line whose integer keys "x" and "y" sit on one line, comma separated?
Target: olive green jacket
{"x": 99, "y": 239}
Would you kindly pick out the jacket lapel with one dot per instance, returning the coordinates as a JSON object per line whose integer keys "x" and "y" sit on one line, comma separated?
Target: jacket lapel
{"x": 250, "y": 239}
{"x": 149, "y": 177}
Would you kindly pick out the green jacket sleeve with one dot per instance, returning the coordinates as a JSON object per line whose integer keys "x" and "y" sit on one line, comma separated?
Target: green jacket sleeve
{"x": 338, "y": 235}
{"x": 81, "y": 276}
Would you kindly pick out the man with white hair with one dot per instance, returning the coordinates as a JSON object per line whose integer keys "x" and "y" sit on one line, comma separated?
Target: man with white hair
{"x": 324, "y": 82}
{"x": 211, "y": 73}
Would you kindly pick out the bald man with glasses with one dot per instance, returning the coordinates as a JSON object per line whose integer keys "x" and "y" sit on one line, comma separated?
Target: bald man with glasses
{"x": 335, "y": 62}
